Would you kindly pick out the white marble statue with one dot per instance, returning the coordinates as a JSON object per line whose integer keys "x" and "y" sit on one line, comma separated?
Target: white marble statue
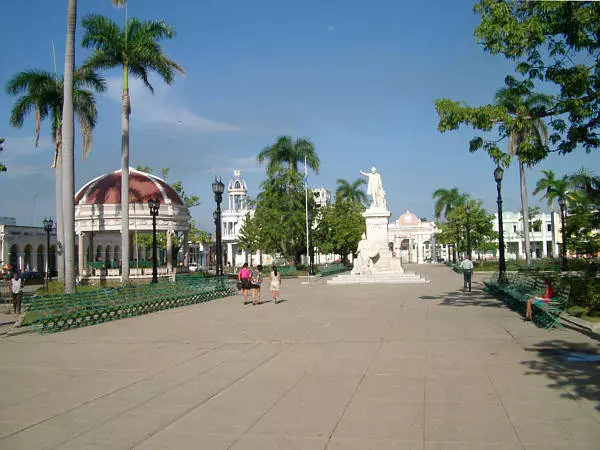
{"x": 375, "y": 188}
{"x": 366, "y": 251}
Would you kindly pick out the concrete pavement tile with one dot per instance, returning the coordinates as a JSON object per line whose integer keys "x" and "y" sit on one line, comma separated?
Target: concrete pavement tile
{"x": 372, "y": 444}
{"x": 7, "y": 428}
{"x": 255, "y": 442}
{"x": 168, "y": 439}
{"x": 39, "y": 437}
{"x": 468, "y": 388}
{"x": 561, "y": 446}
{"x": 472, "y": 446}
{"x": 391, "y": 387}
{"x": 468, "y": 422}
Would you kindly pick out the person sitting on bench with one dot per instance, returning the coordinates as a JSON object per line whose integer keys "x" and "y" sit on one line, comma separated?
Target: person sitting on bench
{"x": 548, "y": 294}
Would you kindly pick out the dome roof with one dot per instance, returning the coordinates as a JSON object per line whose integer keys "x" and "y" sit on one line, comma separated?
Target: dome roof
{"x": 408, "y": 218}
{"x": 143, "y": 186}
{"x": 237, "y": 183}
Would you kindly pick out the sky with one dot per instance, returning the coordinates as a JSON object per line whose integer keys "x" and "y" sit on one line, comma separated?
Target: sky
{"x": 359, "y": 79}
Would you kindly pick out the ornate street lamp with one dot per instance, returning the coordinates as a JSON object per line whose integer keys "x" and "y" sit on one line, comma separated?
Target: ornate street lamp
{"x": 561, "y": 203}
{"x": 218, "y": 188}
{"x": 498, "y": 173}
{"x": 468, "y": 212}
{"x": 153, "y": 205}
{"x": 48, "y": 225}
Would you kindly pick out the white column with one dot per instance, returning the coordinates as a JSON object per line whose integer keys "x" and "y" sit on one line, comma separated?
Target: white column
{"x": 230, "y": 255}
{"x": 421, "y": 251}
{"x": 186, "y": 249}
{"x": 80, "y": 251}
{"x": 169, "y": 252}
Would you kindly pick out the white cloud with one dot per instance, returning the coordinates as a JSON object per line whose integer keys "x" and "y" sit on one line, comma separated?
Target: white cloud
{"x": 330, "y": 28}
{"x": 163, "y": 107}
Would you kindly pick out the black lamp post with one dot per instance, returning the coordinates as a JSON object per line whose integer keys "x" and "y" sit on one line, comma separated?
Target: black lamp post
{"x": 48, "y": 224}
{"x": 468, "y": 212}
{"x": 498, "y": 173}
{"x": 153, "y": 205}
{"x": 561, "y": 203}
{"x": 218, "y": 188}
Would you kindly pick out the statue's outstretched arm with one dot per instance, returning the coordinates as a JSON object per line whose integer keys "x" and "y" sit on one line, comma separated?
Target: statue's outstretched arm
{"x": 364, "y": 174}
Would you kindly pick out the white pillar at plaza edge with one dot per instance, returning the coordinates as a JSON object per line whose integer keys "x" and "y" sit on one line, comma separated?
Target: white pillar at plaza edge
{"x": 186, "y": 249}
{"x": 420, "y": 251}
{"x": 169, "y": 252}
{"x": 230, "y": 254}
{"x": 80, "y": 252}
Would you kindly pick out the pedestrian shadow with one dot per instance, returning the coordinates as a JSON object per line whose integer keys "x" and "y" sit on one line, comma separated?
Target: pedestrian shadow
{"x": 460, "y": 298}
{"x": 571, "y": 367}
{"x": 281, "y": 300}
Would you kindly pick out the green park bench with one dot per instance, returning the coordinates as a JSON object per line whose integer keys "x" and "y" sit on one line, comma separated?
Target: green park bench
{"x": 330, "y": 269}
{"x": 287, "y": 271}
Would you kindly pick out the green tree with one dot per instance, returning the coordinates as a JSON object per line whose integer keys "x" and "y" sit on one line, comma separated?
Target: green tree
{"x": 556, "y": 43}
{"x": 280, "y": 216}
{"x": 189, "y": 200}
{"x": 339, "y": 228}
{"x": 351, "y": 191}
{"x": 289, "y": 152}
{"x": 583, "y": 214}
{"x": 446, "y": 200}
{"x": 41, "y": 93}
{"x": 553, "y": 188}
{"x": 2, "y": 166}
{"x": 136, "y": 50}
{"x": 249, "y": 237}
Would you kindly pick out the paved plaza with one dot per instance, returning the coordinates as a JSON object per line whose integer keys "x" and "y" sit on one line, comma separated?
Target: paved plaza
{"x": 421, "y": 366}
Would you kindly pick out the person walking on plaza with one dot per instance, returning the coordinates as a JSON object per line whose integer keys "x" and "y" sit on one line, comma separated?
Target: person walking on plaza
{"x": 16, "y": 290}
{"x": 467, "y": 268}
{"x": 244, "y": 279}
{"x": 256, "y": 280}
{"x": 275, "y": 284}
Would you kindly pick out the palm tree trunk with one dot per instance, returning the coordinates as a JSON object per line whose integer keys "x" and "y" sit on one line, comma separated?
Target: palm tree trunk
{"x": 60, "y": 261}
{"x": 68, "y": 155}
{"x": 525, "y": 207}
{"x": 553, "y": 231}
{"x": 125, "y": 178}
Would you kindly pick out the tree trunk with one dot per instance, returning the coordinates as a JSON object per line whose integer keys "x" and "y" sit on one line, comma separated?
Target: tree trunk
{"x": 525, "y": 208}
{"x": 125, "y": 180}
{"x": 60, "y": 261}
{"x": 68, "y": 156}
{"x": 553, "y": 253}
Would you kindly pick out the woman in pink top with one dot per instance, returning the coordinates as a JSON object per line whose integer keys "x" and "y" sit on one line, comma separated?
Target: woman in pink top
{"x": 244, "y": 279}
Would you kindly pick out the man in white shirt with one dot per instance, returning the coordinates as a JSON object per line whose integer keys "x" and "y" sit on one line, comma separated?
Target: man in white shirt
{"x": 16, "y": 291}
{"x": 467, "y": 268}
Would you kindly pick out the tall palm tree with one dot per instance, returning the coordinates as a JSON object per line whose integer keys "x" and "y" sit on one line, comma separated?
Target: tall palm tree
{"x": 290, "y": 152}
{"x": 135, "y": 49}
{"x": 351, "y": 191}
{"x": 555, "y": 188}
{"x": 533, "y": 133}
{"x": 446, "y": 201}
{"x": 41, "y": 93}
{"x": 67, "y": 169}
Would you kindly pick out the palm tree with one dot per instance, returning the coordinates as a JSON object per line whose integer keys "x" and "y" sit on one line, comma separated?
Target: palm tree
{"x": 136, "y": 49}
{"x": 288, "y": 151}
{"x": 67, "y": 169}
{"x": 532, "y": 134}
{"x": 555, "y": 188}
{"x": 41, "y": 92}
{"x": 446, "y": 201}
{"x": 351, "y": 191}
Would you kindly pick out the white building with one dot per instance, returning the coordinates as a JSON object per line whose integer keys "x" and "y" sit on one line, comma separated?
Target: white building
{"x": 540, "y": 235}
{"x": 26, "y": 247}
{"x": 232, "y": 221}
{"x": 411, "y": 239}
{"x": 322, "y": 196}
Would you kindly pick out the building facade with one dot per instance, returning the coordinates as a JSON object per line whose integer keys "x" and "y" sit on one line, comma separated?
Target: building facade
{"x": 25, "y": 248}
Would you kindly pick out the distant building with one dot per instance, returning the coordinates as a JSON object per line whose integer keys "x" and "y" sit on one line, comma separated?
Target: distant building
{"x": 8, "y": 221}
{"x": 26, "y": 248}
{"x": 411, "y": 239}
{"x": 322, "y": 196}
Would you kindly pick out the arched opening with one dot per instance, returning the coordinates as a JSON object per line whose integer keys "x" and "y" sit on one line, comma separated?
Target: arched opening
{"x": 13, "y": 257}
{"x": 237, "y": 185}
{"x": 27, "y": 260}
{"x": 108, "y": 254}
{"x": 117, "y": 254}
{"x": 52, "y": 260}
{"x": 99, "y": 253}
{"x": 428, "y": 250}
{"x": 40, "y": 267}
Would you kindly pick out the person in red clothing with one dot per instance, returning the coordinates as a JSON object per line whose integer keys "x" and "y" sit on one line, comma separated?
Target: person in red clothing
{"x": 548, "y": 294}
{"x": 244, "y": 279}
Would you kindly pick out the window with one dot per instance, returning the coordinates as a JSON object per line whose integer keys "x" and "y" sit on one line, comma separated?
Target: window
{"x": 549, "y": 227}
{"x": 514, "y": 228}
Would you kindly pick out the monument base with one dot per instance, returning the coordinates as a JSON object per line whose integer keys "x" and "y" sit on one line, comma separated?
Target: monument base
{"x": 377, "y": 219}
{"x": 381, "y": 278}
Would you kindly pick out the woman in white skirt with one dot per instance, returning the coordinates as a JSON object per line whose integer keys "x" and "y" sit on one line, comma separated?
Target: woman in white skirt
{"x": 275, "y": 283}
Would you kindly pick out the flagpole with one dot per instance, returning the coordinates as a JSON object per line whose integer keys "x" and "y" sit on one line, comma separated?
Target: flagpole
{"x": 307, "y": 230}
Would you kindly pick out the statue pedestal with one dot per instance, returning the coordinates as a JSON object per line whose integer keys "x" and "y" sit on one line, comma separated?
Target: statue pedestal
{"x": 377, "y": 219}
